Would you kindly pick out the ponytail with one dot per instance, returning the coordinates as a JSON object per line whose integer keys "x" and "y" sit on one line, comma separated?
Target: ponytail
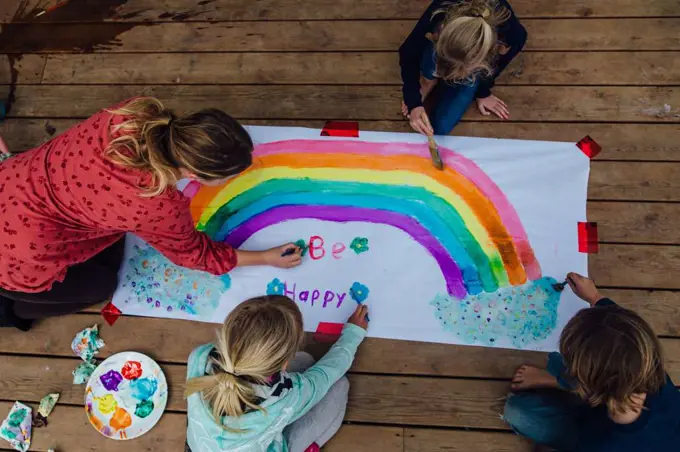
{"x": 258, "y": 338}
{"x": 466, "y": 45}
{"x": 209, "y": 144}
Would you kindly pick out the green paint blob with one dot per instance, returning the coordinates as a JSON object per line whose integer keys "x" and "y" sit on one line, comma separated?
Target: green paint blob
{"x": 144, "y": 409}
{"x": 302, "y": 245}
{"x": 8, "y": 434}
{"x": 16, "y": 418}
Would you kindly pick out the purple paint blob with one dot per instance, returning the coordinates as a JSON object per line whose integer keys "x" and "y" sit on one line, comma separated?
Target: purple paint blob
{"x": 111, "y": 380}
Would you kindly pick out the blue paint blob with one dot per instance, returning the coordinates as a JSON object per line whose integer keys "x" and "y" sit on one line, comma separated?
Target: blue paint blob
{"x": 143, "y": 388}
{"x": 520, "y": 314}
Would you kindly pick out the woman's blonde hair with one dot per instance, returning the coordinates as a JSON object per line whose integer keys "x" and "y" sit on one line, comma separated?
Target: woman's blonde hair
{"x": 256, "y": 341}
{"x": 612, "y": 354}
{"x": 209, "y": 144}
{"x": 466, "y": 44}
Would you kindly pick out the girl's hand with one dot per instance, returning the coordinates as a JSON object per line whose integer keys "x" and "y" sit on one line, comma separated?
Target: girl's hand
{"x": 360, "y": 317}
{"x": 584, "y": 288}
{"x": 420, "y": 121}
{"x": 494, "y": 105}
{"x": 275, "y": 256}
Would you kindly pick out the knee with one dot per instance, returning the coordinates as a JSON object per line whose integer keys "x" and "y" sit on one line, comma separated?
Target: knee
{"x": 525, "y": 414}
{"x": 341, "y": 387}
{"x": 301, "y": 362}
{"x": 515, "y": 412}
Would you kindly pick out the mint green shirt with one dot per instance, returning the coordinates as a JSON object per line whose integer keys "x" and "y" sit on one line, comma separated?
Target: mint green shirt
{"x": 264, "y": 431}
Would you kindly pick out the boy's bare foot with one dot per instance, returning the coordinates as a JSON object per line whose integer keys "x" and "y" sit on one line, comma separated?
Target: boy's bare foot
{"x": 529, "y": 377}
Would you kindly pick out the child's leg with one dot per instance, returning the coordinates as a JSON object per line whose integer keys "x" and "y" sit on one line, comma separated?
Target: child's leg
{"x": 454, "y": 99}
{"x": 324, "y": 420}
{"x": 549, "y": 417}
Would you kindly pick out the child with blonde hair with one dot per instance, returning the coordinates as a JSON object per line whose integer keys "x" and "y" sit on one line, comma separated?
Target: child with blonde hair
{"x": 465, "y": 44}
{"x": 607, "y": 391}
{"x": 252, "y": 391}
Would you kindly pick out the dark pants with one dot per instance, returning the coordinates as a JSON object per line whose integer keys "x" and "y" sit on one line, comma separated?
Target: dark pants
{"x": 85, "y": 284}
{"x": 550, "y": 417}
{"x": 452, "y": 99}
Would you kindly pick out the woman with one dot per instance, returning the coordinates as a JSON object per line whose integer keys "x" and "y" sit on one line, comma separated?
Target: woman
{"x": 66, "y": 205}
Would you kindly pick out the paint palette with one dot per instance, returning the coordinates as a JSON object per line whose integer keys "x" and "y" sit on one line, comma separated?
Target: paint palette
{"x": 126, "y": 396}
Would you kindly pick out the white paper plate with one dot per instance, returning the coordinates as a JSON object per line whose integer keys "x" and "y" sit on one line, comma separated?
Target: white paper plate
{"x": 126, "y": 396}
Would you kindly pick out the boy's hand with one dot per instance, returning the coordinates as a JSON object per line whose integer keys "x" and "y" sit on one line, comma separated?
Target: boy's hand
{"x": 492, "y": 104}
{"x": 360, "y": 317}
{"x": 420, "y": 121}
{"x": 584, "y": 288}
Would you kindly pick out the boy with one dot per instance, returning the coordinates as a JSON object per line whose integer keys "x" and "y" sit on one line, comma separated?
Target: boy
{"x": 607, "y": 391}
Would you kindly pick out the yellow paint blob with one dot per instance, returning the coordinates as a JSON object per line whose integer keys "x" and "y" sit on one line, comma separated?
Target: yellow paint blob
{"x": 106, "y": 404}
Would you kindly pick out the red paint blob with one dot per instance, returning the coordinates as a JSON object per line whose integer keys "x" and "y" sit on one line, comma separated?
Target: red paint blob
{"x": 131, "y": 370}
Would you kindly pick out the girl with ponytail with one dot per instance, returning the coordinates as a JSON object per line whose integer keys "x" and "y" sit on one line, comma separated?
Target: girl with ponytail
{"x": 65, "y": 206}
{"x": 252, "y": 391}
{"x": 465, "y": 45}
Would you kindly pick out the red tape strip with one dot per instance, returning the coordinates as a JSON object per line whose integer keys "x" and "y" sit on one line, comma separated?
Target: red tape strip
{"x": 587, "y": 238}
{"x": 589, "y": 147}
{"x": 313, "y": 448}
{"x": 340, "y": 129}
{"x": 111, "y": 313}
{"x": 328, "y": 332}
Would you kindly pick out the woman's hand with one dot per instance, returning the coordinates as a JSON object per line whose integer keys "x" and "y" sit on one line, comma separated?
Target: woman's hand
{"x": 360, "y": 317}
{"x": 494, "y": 105}
{"x": 584, "y": 288}
{"x": 274, "y": 257}
{"x": 285, "y": 256}
{"x": 420, "y": 121}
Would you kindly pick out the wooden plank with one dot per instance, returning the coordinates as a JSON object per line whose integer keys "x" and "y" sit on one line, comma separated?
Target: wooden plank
{"x": 536, "y": 68}
{"x": 637, "y": 222}
{"x": 648, "y": 181}
{"x": 29, "y": 378}
{"x": 636, "y": 266}
{"x": 8, "y": 9}
{"x": 387, "y": 35}
{"x": 430, "y": 440}
{"x": 366, "y": 438}
{"x": 157, "y": 338}
{"x": 426, "y": 401}
{"x": 620, "y": 141}
{"x": 221, "y": 10}
{"x": 378, "y": 399}
{"x": 527, "y": 103}
{"x": 69, "y": 430}
{"x": 29, "y": 68}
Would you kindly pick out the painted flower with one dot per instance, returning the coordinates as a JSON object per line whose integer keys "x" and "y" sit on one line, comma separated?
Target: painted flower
{"x": 276, "y": 287}
{"x": 302, "y": 245}
{"x": 359, "y": 245}
{"x": 358, "y": 292}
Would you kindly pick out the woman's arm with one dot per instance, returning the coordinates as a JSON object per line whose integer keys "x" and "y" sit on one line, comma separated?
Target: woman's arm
{"x": 410, "y": 54}
{"x": 169, "y": 228}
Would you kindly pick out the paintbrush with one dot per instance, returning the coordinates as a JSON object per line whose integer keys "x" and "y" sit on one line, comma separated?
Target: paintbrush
{"x": 434, "y": 153}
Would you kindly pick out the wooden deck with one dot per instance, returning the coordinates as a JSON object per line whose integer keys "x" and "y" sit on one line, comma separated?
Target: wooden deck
{"x": 608, "y": 68}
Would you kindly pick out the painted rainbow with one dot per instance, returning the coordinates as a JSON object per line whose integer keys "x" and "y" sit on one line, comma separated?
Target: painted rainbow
{"x": 459, "y": 215}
